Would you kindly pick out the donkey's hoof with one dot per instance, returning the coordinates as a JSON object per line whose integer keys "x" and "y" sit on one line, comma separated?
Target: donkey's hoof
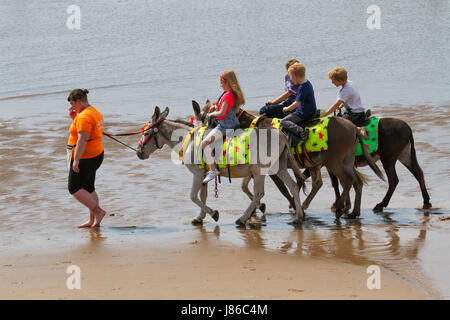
{"x": 197, "y": 222}
{"x": 355, "y": 213}
{"x": 240, "y": 223}
{"x": 262, "y": 207}
{"x": 427, "y": 206}
{"x": 378, "y": 208}
{"x": 215, "y": 216}
{"x": 263, "y": 218}
{"x": 296, "y": 222}
{"x": 338, "y": 213}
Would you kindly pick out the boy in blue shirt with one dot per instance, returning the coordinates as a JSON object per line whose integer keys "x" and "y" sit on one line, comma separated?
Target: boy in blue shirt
{"x": 304, "y": 104}
{"x": 274, "y": 108}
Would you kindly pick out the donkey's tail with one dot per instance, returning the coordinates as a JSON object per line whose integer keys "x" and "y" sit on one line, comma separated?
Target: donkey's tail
{"x": 369, "y": 159}
{"x": 414, "y": 161}
{"x": 362, "y": 177}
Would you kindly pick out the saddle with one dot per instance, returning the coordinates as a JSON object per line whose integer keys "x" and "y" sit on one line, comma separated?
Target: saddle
{"x": 302, "y": 137}
{"x": 313, "y": 120}
{"x": 365, "y": 121}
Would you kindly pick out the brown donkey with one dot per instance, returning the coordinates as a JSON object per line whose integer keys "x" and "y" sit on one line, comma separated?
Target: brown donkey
{"x": 343, "y": 138}
{"x": 395, "y": 142}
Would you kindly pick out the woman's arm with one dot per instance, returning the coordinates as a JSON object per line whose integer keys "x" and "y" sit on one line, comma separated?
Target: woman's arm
{"x": 83, "y": 138}
{"x": 337, "y": 105}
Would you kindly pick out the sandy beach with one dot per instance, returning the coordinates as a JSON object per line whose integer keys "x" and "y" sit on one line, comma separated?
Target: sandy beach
{"x": 148, "y": 249}
{"x": 135, "y": 55}
{"x": 194, "y": 271}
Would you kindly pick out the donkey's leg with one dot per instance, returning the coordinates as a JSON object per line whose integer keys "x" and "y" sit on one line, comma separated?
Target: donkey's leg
{"x": 203, "y": 196}
{"x": 358, "y": 186}
{"x": 346, "y": 182}
{"x": 410, "y": 162}
{"x": 280, "y": 185}
{"x": 316, "y": 185}
{"x": 258, "y": 189}
{"x": 389, "y": 168}
{"x": 349, "y": 167}
{"x": 197, "y": 184}
{"x": 337, "y": 194}
{"x": 244, "y": 187}
{"x": 295, "y": 190}
{"x": 261, "y": 206}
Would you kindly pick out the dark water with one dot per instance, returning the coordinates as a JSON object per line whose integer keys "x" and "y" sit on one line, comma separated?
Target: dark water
{"x": 133, "y": 55}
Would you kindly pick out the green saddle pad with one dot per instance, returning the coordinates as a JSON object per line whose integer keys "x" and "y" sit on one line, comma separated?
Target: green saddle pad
{"x": 317, "y": 138}
{"x": 370, "y": 144}
{"x": 235, "y": 150}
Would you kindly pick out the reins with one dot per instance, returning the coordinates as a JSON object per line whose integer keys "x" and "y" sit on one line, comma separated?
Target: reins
{"x": 144, "y": 130}
{"x": 119, "y": 135}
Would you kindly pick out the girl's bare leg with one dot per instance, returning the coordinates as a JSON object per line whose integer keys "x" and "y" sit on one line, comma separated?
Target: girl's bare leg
{"x": 214, "y": 135}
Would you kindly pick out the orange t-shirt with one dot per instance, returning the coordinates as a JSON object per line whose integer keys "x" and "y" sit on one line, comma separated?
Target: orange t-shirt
{"x": 89, "y": 120}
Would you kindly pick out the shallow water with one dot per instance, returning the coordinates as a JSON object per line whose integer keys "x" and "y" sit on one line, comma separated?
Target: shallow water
{"x": 169, "y": 53}
{"x": 148, "y": 204}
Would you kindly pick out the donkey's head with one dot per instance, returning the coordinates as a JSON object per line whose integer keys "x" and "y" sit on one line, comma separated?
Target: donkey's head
{"x": 151, "y": 137}
{"x": 201, "y": 114}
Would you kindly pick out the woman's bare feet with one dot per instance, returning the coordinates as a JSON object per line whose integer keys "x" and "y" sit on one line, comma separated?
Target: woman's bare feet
{"x": 99, "y": 214}
{"x": 88, "y": 223}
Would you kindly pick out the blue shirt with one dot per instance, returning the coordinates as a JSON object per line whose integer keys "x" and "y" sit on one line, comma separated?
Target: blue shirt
{"x": 305, "y": 95}
{"x": 291, "y": 88}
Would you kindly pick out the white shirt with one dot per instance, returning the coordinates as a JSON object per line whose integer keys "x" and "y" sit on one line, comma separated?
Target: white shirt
{"x": 350, "y": 95}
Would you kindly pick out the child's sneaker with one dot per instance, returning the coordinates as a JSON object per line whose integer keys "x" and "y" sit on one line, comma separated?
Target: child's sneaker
{"x": 211, "y": 175}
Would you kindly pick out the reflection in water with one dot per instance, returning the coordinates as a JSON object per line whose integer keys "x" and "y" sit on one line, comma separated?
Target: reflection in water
{"x": 205, "y": 235}
{"x": 95, "y": 235}
{"x": 384, "y": 239}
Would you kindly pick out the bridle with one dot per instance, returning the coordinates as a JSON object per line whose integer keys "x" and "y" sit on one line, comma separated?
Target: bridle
{"x": 154, "y": 128}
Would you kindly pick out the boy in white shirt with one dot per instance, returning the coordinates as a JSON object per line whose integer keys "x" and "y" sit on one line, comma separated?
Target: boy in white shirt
{"x": 347, "y": 97}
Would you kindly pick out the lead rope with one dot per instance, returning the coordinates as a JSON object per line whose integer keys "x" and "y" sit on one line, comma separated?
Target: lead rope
{"x": 111, "y": 136}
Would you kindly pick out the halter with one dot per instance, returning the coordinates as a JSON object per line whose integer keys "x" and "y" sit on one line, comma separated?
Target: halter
{"x": 153, "y": 133}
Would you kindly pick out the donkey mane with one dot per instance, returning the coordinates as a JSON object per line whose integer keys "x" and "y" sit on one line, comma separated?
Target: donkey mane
{"x": 181, "y": 124}
{"x": 187, "y": 123}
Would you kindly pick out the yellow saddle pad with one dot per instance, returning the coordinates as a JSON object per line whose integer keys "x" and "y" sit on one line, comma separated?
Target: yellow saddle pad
{"x": 317, "y": 137}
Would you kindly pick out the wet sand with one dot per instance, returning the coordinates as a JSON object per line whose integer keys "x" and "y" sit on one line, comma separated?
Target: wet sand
{"x": 147, "y": 247}
{"x": 198, "y": 270}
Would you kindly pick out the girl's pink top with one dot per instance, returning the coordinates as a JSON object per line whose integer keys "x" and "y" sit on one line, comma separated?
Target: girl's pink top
{"x": 229, "y": 98}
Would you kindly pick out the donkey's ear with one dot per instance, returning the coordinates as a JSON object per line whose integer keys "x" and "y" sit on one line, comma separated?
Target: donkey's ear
{"x": 207, "y": 106}
{"x": 165, "y": 113}
{"x": 156, "y": 114}
{"x": 196, "y": 108}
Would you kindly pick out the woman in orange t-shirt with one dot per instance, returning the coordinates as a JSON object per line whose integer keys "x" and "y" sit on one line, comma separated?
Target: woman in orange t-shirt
{"x": 85, "y": 154}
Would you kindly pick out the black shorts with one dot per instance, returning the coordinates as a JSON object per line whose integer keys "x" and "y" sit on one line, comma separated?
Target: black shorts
{"x": 355, "y": 117}
{"x": 85, "y": 179}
